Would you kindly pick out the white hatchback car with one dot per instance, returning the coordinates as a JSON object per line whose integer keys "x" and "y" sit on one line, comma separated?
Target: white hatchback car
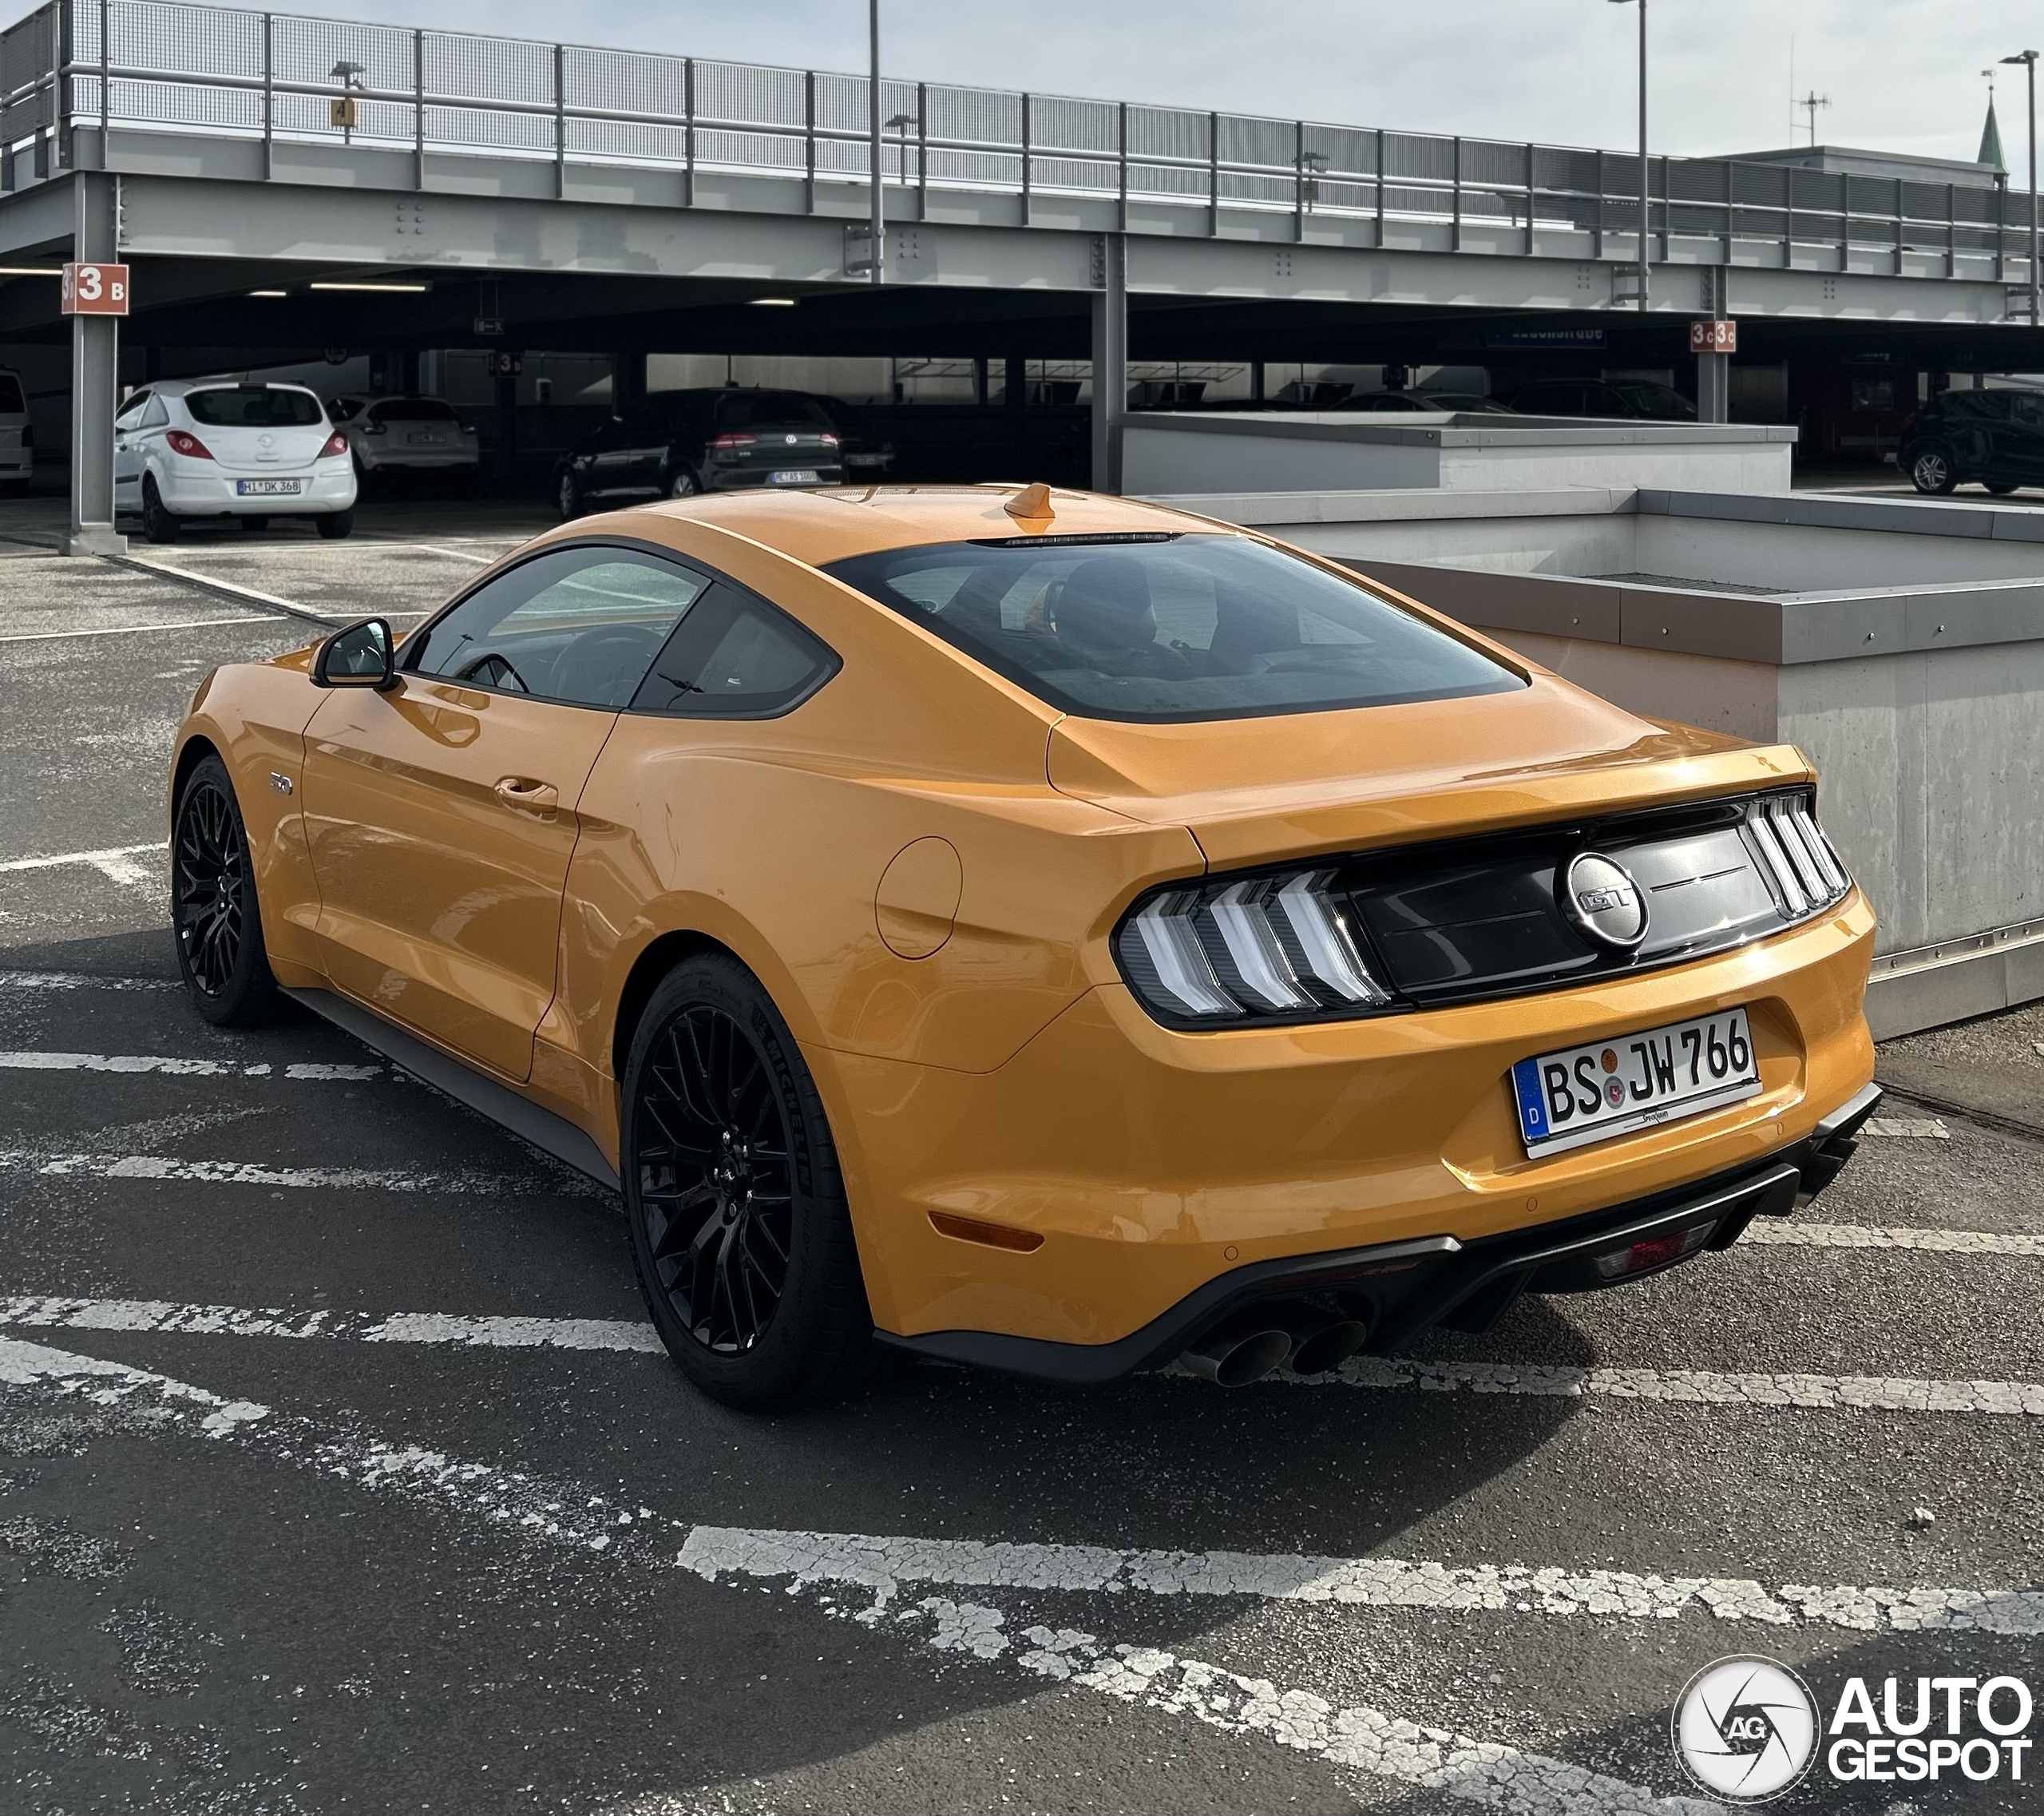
{"x": 408, "y": 434}
{"x": 187, "y": 448}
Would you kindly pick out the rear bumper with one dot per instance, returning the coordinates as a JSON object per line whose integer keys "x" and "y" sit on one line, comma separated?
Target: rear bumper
{"x": 753, "y": 479}
{"x": 1402, "y": 1288}
{"x": 328, "y": 486}
{"x": 393, "y": 460}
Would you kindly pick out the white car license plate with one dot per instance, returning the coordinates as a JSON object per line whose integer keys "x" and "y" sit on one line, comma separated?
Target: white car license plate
{"x": 1633, "y": 1082}
{"x": 425, "y": 441}
{"x": 794, "y": 476}
{"x": 268, "y": 488}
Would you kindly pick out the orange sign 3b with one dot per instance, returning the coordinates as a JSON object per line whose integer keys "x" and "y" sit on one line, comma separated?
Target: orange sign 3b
{"x": 95, "y": 290}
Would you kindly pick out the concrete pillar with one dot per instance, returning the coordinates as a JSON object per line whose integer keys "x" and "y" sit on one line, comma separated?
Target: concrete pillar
{"x": 1014, "y": 386}
{"x": 1256, "y": 381}
{"x": 1110, "y": 357}
{"x": 1713, "y": 387}
{"x": 980, "y": 385}
{"x": 95, "y": 381}
{"x": 628, "y": 382}
{"x": 507, "y": 428}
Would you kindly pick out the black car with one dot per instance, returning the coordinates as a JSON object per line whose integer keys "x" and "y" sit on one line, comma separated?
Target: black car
{"x": 675, "y": 444}
{"x": 867, "y": 454}
{"x": 1627, "y": 400}
{"x": 1996, "y": 437}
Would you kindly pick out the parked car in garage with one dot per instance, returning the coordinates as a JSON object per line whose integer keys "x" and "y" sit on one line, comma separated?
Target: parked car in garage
{"x": 17, "y": 437}
{"x": 868, "y": 453}
{"x": 187, "y": 450}
{"x": 1638, "y": 399}
{"x": 407, "y": 434}
{"x": 675, "y": 444}
{"x": 1995, "y": 437}
{"x": 1039, "y": 930}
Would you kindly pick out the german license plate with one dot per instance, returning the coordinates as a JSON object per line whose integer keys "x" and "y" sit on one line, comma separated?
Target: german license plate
{"x": 268, "y": 488}
{"x": 1633, "y": 1081}
{"x": 425, "y": 441}
{"x": 794, "y": 476}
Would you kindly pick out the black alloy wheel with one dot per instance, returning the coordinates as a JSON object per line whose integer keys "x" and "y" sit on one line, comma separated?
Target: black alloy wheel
{"x": 567, "y": 496}
{"x": 1931, "y": 472}
{"x": 684, "y": 485}
{"x": 213, "y": 908}
{"x": 739, "y": 1227}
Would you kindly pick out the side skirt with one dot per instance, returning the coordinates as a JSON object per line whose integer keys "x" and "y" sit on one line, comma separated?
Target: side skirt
{"x": 545, "y": 1131}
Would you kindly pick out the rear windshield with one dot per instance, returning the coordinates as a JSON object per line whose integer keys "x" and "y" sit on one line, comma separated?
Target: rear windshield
{"x": 414, "y": 409}
{"x": 254, "y": 407}
{"x": 1173, "y": 627}
{"x": 769, "y": 410}
{"x": 10, "y": 395}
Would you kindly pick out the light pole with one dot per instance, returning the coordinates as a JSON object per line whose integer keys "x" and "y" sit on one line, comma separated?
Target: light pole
{"x": 1646, "y": 188}
{"x": 879, "y": 222}
{"x": 2028, "y": 59}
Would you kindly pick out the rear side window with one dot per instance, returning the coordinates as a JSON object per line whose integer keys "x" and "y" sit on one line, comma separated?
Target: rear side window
{"x": 769, "y": 410}
{"x": 254, "y": 406}
{"x": 11, "y": 400}
{"x": 414, "y": 409}
{"x": 735, "y": 657}
{"x": 1172, "y": 627}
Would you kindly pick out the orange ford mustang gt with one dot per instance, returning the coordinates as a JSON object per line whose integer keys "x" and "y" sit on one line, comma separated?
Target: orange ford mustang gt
{"x": 1038, "y": 930}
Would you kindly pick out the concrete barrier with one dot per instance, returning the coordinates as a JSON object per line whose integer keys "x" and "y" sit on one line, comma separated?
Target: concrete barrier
{"x": 1899, "y": 643}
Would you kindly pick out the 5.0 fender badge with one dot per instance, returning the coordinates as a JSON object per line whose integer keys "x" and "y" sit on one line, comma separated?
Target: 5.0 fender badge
{"x": 1599, "y": 896}
{"x": 280, "y": 782}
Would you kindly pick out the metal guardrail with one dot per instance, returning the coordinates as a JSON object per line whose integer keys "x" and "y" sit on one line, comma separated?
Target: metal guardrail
{"x": 166, "y": 67}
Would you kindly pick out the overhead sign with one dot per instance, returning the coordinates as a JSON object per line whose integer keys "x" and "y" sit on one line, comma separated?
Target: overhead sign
{"x": 506, "y": 365}
{"x": 95, "y": 290}
{"x": 1714, "y": 337}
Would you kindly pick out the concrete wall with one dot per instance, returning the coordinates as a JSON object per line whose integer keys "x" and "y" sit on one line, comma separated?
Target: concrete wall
{"x": 1169, "y": 453}
{"x": 1921, "y": 699}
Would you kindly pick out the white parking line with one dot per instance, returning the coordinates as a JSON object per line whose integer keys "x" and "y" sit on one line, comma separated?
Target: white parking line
{"x": 118, "y": 863}
{"x": 156, "y": 564}
{"x": 1808, "y": 1392}
{"x": 535, "y": 1511}
{"x": 182, "y": 1068}
{"x": 1920, "y": 1128}
{"x": 81, "y": 980}
{"x": 1788, "y": 1233}
{"x": 246, "y": 1172}
{"x": 134, "y": 630}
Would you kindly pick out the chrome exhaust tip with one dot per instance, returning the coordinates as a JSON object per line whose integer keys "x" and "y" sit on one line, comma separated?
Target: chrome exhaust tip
{"x": 1243, "y": 1350}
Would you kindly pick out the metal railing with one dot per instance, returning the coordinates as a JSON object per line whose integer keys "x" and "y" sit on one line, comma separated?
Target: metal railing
{"x": 167, "y": 67}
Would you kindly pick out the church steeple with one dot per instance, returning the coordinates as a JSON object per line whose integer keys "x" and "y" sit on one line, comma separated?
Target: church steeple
{"x": 1991, "y": 141}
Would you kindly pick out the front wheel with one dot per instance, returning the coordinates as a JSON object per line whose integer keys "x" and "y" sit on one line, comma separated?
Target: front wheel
{"x": 213, "y": 908}
{"x": 740, "y": 1232}
{"x": 158, "y": 525}
{"x": 1930, "y": 472}
{"x": 685, "y": 484}
{"x": 567, "y": 497}
{"x": 333, "y": 525}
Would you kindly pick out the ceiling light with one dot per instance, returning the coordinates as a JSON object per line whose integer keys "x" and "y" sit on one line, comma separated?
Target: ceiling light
{"x": 397, "y": 289}
{"x": 773, "y": 302}
{"x": 31, "y": 271}
{"x": 269, "y": 293}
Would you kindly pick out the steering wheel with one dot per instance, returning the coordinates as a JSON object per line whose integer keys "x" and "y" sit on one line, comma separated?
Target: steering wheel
{"x": 494, "y": 671}
{"x": 600, "y": 665}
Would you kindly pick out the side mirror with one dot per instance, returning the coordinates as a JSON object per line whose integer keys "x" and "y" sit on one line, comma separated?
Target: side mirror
{"x": 361, "y": 656}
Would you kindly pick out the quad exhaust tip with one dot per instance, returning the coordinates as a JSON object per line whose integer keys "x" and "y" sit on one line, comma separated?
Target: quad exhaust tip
{"x": 1254, "y": 1343}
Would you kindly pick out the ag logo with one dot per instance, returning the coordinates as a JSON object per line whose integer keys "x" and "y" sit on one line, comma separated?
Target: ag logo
{"x": 1599, "y": 894}
{"x": 1746, "y": 1729}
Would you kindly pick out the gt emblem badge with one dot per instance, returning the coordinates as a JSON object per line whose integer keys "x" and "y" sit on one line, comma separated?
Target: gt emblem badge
{"x": 1597, "y": 893}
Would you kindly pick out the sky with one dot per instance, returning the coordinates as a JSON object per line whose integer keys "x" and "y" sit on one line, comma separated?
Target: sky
{"x": 1900, "y": 75}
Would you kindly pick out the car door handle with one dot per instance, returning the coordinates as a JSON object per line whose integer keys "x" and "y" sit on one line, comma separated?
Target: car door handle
{"x": 526, "y": 796}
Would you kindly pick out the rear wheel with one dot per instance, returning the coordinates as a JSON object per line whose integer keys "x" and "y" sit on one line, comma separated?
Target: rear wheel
{"x": 685, "y": 484}
{"x": 158, "y": 525}
{"x": 1931, "y": 472}
{"x": 335, "y": 525}
{"x": 567, "y": 496}
{"x": 740, "y": 1230}
{"x": 213, "y": 908}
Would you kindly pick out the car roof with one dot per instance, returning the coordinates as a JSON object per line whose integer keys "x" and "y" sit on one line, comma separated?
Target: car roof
{"x": 832, "y": 524}
{"x": 183, "y": 387}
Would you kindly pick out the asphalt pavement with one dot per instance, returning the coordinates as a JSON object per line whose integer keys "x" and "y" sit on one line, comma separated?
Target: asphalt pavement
{"x": 339, "y": 1471}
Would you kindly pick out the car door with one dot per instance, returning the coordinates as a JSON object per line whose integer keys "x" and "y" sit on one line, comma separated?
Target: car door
{"x": 128, "y": 450}
{"x": 441, "y": 814}
{"x": 610, "y": 461}
{"x": 2019, "y": 436}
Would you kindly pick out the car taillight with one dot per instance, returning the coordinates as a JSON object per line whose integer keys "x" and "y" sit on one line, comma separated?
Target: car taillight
{"x": 337, "y": 443}
{"x": 729, "y": 446}
{"x": 1802, "y": 872}
{"x": 183, "y": 441}
{"x": 829, "y": 441}
{"x": 1274, "y": 944}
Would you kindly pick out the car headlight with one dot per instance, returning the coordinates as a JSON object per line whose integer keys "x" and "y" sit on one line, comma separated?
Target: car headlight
{"x": 1474, "y": 919}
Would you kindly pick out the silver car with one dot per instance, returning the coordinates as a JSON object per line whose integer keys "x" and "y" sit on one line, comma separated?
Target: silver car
{"x": 407, "y": 434}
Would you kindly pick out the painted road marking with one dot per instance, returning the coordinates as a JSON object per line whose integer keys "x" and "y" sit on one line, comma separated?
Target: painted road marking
{"x": 1809, "y": 1393}
{"x": 1921, "y": 1128}
{"x": 429, "y": 1327}
{"x": 181, "y": 1067}
{"x": 206, "y": 583}
{"x": 81, "y": 980}
{"x": 536, "y": 1511}
{"x": 118, "y": 863}
{"x": 245, "y": 1172}
{"x": 1918, "y": 1239}
{"x": 136, "y": 630}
